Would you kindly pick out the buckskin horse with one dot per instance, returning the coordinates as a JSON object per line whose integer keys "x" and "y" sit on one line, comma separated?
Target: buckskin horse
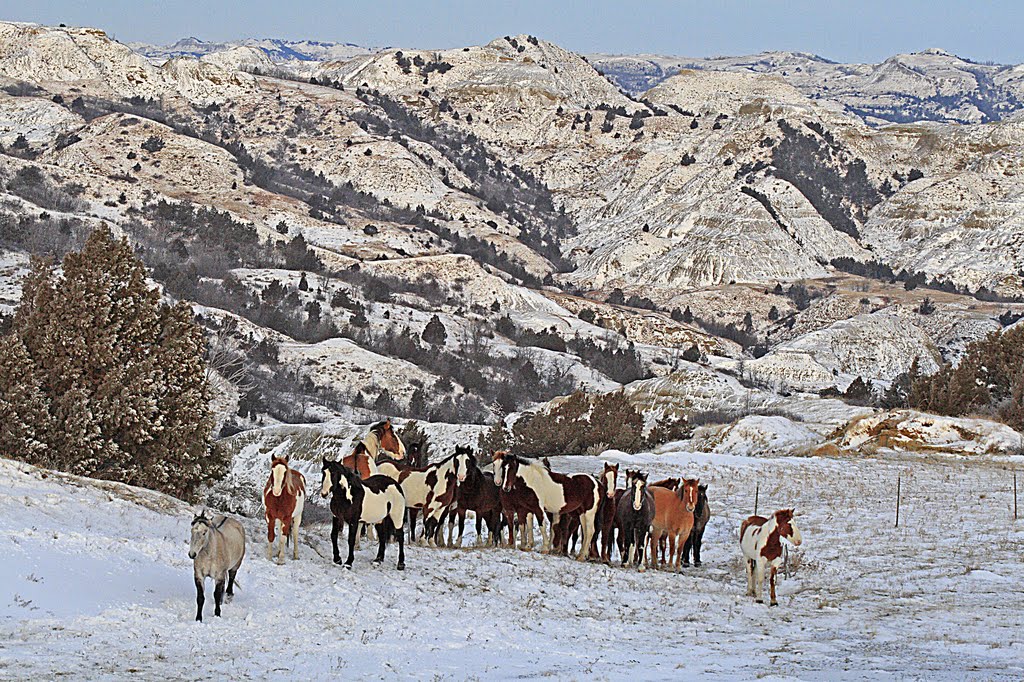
{"x": 761, "y": 542}
{"x": 217, "y": 548}
{"x": 378, "y": 500}
{"x": 284, "y": 496}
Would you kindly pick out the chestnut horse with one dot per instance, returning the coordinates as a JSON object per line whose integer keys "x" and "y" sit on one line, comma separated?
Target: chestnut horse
{"x": 671, "y": 483}
{"x": 284, "y": 496}
{"x": 761, "y": 542}
{"x": 557, "y": 494}
{"x": 673, "y": 517}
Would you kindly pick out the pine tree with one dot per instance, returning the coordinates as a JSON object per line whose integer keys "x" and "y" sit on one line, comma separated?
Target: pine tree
{"x": 24, "y": 411}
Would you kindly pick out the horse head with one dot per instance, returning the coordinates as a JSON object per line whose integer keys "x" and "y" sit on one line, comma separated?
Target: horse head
{"x": 462, "y": 461}
{"x": 787, "y": 526}
{"x": 279, "y": 470}
{"x": 509, "y": 471}
{"x": 497, "y": 464}
{"x": 388, "y": 439}
{"x": 689, "y": 493}
{"x": 609, "y": 478}
{"x": 639, "y": 490}
{"x": 200, "y": 535}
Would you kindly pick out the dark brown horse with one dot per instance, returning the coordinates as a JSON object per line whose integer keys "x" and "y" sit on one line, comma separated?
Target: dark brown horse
{"x": 519, "y": 504}
{"x": 604, "y": 524}
{"x": 478, "y": 494}
{"x": 701, "y": 516}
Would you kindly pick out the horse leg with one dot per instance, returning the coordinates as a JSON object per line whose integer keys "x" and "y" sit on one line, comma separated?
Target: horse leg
{"x": 587, "y": 521}
{"x": 413, "y": 513}
{"x": 401, "y": 543}
{"x": 750, "y": 577}
{"x": 200, "y": 598}
{"x": 698, "y": 538}
{"x": 771, "y": 585}
{"x": 296, "y": 522}
{"x": 286, "y": 531}
{"x": 382, "y": 535}
{"x": 335, "y": 528}
{"x": 641, "y": 544}
{"x": 686, "y": 551}
{"x": 218, "y": 596}
{"x": 231, "y": 582}
{"x": 758, "y": 582}
{"x": 271, "y": 523}
{"x": 353, "y": 532}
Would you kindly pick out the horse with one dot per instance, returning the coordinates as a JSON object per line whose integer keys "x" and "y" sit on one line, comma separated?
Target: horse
{"x": 216, "y": 549}
{"x": 634, "y": 515}
{"x": 670, "y": 483}
{"x": 284, "y": 496}
{"x": 382, "y": 439}
{"x": 518, "y": 504}
{"x": 673, "y": 517}
{"x": 431, "y": 488}
{"x": 378, "y": 500}
{"x": 701, "y": 516}
{"x": 605, "y": 520}
{"x": 761, "y": 542}
{"x": 557, "y": 493}
{"x": 479, "y": 494}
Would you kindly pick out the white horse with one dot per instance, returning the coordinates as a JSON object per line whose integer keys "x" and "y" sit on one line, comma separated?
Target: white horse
{"x": 761, "y": 542}
{"x": 217, "y": 548}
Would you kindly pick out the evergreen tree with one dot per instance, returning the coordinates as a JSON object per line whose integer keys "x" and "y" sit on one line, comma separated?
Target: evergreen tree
{"x": 434, "y": 333}
{"x": 24, "y": 409}
{"x": 121, "y": 374}
{"x": 687, "y": 316}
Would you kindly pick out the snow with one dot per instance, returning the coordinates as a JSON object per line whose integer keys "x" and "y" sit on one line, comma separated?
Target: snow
{"x": 759, "y": 435}
{"x": 96, "y": 580}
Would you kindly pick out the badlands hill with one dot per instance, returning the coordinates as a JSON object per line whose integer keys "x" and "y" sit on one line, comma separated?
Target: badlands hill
{"x": 461, "y": 233}
{"x": 931, "y": 85}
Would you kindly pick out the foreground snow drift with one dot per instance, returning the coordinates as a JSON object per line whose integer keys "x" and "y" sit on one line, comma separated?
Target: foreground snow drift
{"x": 96, "y": 582}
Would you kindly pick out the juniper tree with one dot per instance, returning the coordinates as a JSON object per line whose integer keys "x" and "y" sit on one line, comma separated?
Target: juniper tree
{"x": 120, "y": 374}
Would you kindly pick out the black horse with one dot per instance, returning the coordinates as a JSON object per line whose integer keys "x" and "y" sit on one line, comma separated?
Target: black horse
{"x": 701, "y": 515}
{"x": 634, "y": 514}
{"x": 377, "y": 500}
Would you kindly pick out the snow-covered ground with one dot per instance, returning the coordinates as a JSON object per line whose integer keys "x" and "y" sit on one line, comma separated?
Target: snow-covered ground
{"x": 96, "y": 583}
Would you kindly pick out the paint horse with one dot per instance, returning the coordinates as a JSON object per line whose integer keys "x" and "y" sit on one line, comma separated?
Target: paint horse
{"x": 380, "y": 441}
{"x": 378, "y": 500}
{"x": 217, "y": 547}
{"x": 519, "y": 504}
{"x": 761, "y": 541}
{"x": 478, "y": 494}
{"x": 701, "y": 516}
{"x": 284, "y": 496}
{"x": 558, "y": 494}
{"x": 431, "y": 488}
{"x": 673, "y": 517}
{"x": 634, "y": 516}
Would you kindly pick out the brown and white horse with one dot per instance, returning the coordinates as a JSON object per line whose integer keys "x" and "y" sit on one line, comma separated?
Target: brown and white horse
{"x": 284, "y": 496}
{"x": 673, "y": 517}
{"x": 431, "y": 488}
{"x": 761, "y": 542}
{"x": 518, "y": 503}
{"x": 557, "y": 494}
{"x": 605, "y": 521}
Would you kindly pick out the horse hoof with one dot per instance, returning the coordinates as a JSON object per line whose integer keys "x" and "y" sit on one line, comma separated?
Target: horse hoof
{"x": 348, "y": 567}
{"x": 759, "y": 601}
{"x": 376, "y": 562}
{"x": 400, "y": 567}
{"x": 697, "y": 564}
{"x": 337, "y": 559}
{"x": 774, "y": 603}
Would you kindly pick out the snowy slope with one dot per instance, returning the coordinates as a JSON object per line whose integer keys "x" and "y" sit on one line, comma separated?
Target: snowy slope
{"x": 96, "y": 580}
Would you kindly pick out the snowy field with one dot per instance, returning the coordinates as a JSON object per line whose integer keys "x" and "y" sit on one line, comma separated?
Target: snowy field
{"x": 96, "y": 584}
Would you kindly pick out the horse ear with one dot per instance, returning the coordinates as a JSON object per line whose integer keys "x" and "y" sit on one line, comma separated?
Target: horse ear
{"x": 703, "y": 487}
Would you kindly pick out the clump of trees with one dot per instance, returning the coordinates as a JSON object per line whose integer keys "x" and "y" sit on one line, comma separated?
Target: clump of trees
{"x": 99, "y": 378}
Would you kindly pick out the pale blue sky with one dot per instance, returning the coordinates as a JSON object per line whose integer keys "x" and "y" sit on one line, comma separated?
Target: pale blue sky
{"x": 868, "y": 30}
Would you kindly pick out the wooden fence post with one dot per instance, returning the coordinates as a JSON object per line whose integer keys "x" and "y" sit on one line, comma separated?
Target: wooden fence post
{"x": 757, "y": 492}
{"x": 898, "y": 481}
{"x": 1014, "y": 495}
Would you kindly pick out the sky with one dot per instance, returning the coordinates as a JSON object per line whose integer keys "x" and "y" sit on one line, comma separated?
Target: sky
{"x": 864, "y": 31}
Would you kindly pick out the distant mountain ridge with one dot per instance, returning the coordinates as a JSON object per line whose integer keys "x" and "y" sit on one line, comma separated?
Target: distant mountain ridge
{"x": 931, "y": 85}
{"x": 278, "y": 50}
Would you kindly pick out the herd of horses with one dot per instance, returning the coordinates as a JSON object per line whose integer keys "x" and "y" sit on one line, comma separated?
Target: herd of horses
{"x": 379, "y": 489}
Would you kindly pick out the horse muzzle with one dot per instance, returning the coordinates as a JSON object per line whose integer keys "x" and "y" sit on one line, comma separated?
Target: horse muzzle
{"x": 191, "y": 554}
